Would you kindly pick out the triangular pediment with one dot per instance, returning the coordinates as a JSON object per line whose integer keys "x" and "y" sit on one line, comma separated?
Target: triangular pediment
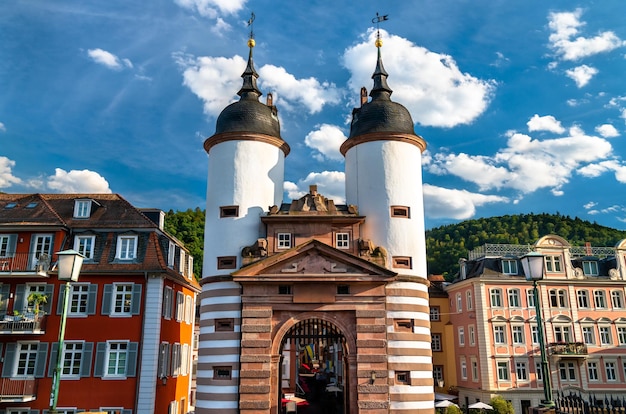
{"x": 313, "y": 260}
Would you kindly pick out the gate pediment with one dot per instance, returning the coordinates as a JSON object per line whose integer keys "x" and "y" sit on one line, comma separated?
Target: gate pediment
{"x": 317, "y": 261}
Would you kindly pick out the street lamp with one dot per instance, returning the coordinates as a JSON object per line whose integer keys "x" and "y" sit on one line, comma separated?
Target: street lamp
{"x": 533, "y": 270}
{"x": 69, "y": 264}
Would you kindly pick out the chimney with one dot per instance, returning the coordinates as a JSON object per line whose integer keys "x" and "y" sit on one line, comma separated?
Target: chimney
{"x": 463, "y": 269}
{"x": 313, "y": 189}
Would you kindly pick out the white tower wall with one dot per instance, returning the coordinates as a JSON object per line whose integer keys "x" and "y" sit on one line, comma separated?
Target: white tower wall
{"x": 381, "y": 174}
{"x": 248, "y": 174}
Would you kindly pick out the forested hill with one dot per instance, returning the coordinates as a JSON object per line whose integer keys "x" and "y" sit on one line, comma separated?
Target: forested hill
{"x": 445, "y": 245}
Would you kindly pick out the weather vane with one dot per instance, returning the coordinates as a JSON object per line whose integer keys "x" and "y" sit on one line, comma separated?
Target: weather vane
{"x": 250, "y": 21}
{"x": 377, "y": 20}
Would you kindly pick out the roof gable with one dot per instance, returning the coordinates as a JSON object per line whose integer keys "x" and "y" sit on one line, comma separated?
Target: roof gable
{"x": 311, "y": 261}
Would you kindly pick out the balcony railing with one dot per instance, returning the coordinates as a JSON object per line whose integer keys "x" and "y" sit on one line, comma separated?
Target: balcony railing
{"x": 18, "y": 390}
{"x": 23, "y": 324}
{"x": 24, "y": 263}
{"x": 568, "y": 349}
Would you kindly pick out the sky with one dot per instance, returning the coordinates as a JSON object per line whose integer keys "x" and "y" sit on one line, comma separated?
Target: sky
{"x": 522, "y": 104}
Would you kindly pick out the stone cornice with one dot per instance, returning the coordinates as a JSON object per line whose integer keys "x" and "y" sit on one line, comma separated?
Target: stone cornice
{"x": 245, "y": 136}
{"x": 382, "y": 136}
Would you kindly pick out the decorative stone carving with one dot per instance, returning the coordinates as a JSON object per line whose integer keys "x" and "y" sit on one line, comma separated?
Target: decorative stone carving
{"x": 257, "y": 249}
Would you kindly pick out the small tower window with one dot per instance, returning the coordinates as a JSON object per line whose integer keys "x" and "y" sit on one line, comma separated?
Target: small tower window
{"x": 229, "y": 211}
{"x": 283, "y": 240}
{"x": 403, "y": 377}
{"x": 343, "y": 289}
{"x": 403, "y": 262}
{"x": 342, "y": 240}
{"x": 284, "y": 289}
{"x": 404, "y": 325}
{"x": 222, "y": 373}
{"x": 225, "y": 324}
{"x": 227, "y": 262}
{"x": 401, "y": 211}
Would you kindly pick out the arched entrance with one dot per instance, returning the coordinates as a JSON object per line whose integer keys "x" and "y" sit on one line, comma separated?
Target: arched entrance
{"x": 313, "y": 372}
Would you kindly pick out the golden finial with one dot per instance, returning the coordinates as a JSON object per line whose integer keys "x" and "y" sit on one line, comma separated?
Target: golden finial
{"x": 377, "y": 20}
{"x": 251, "y": 43}
{"x": 379, "y": 42}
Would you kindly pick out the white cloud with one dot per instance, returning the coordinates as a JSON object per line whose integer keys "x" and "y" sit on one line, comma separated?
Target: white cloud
{"x": 597, "y": 169}
{"x": 2, "y": 127}
{"x": 569, "y": 45}
{"x": 212, "y": 8}
{"x": 330, "y": 184}
{"x": 310, "y": 93}
{"x": 607, "y": 131}
{"x": 527, "y": 164}
{"x": 429, "y": 84}
{"x": 216, "y": 80}
{"x": 76, "y": 181}
{"x": 545, "y": 123}
{"x": 108, "y": 59}
{"x": 457, "y": 204}
{"x": 590, "y": 205}
{"x": 6, "y": 174}
{"x": 581, "y": 74}
{"x": 326, "y": 139}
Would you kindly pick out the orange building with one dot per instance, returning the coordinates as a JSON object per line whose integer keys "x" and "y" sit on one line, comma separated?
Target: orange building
{"x": 128, "y": 338}
{"x": 584, "y": 319}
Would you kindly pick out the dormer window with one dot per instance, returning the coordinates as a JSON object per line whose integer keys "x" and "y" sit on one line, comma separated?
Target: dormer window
{"x": 509, "y": 266}
{"x": 126, "y": 248}
{"x": 590, "y": 268}
{"x": 82, "y": 208}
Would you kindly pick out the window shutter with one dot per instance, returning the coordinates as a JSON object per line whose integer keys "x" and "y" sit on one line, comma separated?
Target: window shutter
{"x": 131, "y": 365}
{"x": 9, "y": 357}
{"x": 18, "y": 301}
{"x": 12, "y": 244}
{"x": 136, "y": 305}
{"x": 85, "y": 361}
{"x": 4, "y": 298}
{"x": 168, "y": 359}
{"x": 49, "y": 292}
{"x": 53, "y": 358}
{"x": 106, "y": 299}
{"x": 61, "y": 298}
{"x": 101, "y": 350}
{"x": 40, "y": 363}
{"x": 91, "y": 301}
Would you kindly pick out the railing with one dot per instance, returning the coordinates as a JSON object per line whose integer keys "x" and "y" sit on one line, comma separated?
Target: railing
{"x": 15, "y": 390}
{"x": 24, "y": 262}
{"x": 499, "y": 250}
{"x": 22, "y": 324}
{"x": 568, "y": 349}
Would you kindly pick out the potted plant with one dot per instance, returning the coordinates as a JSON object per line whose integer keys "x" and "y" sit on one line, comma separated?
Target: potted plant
{"x": 37, "y": 298}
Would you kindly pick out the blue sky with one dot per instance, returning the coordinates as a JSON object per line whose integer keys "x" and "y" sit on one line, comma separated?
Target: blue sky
{"x": 523, "y": 105}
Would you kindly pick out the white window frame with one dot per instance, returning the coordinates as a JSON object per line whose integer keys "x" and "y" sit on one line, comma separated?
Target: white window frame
{"x": 605, "y": 335}
{"x": 521, "y": 371}
{"x": 28, "y": 370}
{"x": 118, "y": 363}
{"x": 599, "y": 299}
{"x": 459, "y": 303}
{"x": 342, "y": 240}
{"x": 435, "y": 342}
{"x": 553, "y": 264}
{"x": 567, "y": 371}
{"x": 538, "y": 372}
{"x": 463, "y": 368}
{"x": 592, "y": 371}
{"x": 72, "y": 358}
{"x": 180, "y": 306}
{"x": 171, "y": 254}
{"x": 283, "y": 240}
{"x": 461, "y": 332}
{"x": 562, "y": 333}
{"x": 122, "y": 299}
{"x": 509, "y": 266}
{"x": 589, "y": 337}
{"x": 176, "y": 360}
{"x": 617, "y": 299}
{"x": 5, "y": 245}
{"x": 558, "y": 298}
{"x": 590, "y": 268}
{"x": 502, "y": 369}
{"x": 126, "y": 247}
{"x": 468, "y": 300}
{"x": 168, "y": 298}
{"x": 514, "y": 298}
{"x": 621, "y": 335}
{"x": 472, "y": 335}
{"x": 474, "y": 365}
{"x": 435, "y": 313}
{"x": 79, "y": 297}
{"x": 85, "y": 245}
{"x": 82, "y": 208}
{"x": 188, "y": 309}
{"x": 610, "y": 370}
{"x": 530, "y": 298}
{"x": 517, "y": 332}
{"x": 534, "y": 334}
{"x": 495, "y": 297}
{"x": 582, "y": 296}
{"x": 499, "y": 334}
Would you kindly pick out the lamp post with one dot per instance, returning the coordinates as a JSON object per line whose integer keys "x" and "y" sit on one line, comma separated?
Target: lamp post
{"x": 533, "y": 270}
{"x": 69, "y": 264}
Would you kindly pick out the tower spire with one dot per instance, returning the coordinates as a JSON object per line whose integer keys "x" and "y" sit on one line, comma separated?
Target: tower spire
{"x": 249, "y": 90}
{"x": 380, "y": 89}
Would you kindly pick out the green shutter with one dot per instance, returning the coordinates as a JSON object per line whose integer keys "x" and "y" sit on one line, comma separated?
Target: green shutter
{"x": 53, "y": 358}
{"x": 18, "y": 300}
{"x": 40, "y": 364}
{"x": 9, "y": 358}
{"x": 92, "y": 298}
{"x": 131, "y": 361}
{"x": 136, "y": 305}
{"x": 106, "y": 299}
{"x": 49, "y": 292}
{"x": 101, "y": 350}
{"x": 85, "y": 361}
{"x": 4, "y": 298}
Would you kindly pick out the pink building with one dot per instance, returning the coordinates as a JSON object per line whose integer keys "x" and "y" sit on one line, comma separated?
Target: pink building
{"x": 584, "y": 317}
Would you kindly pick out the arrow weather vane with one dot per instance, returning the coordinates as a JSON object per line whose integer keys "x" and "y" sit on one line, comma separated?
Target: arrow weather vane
{"x": 250, "y": 21}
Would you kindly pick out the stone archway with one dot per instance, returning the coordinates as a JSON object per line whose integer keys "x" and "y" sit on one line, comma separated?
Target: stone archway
{"x": 310, "y": 358}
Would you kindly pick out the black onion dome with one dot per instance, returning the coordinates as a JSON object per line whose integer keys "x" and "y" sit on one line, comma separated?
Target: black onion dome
{"x": 381, "y": 114}
{"x": 248, "y": 114}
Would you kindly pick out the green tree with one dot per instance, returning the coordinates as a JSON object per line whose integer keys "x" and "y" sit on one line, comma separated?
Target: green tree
{"x": 501, "y": 406}
{"x": 188, "y": 227}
